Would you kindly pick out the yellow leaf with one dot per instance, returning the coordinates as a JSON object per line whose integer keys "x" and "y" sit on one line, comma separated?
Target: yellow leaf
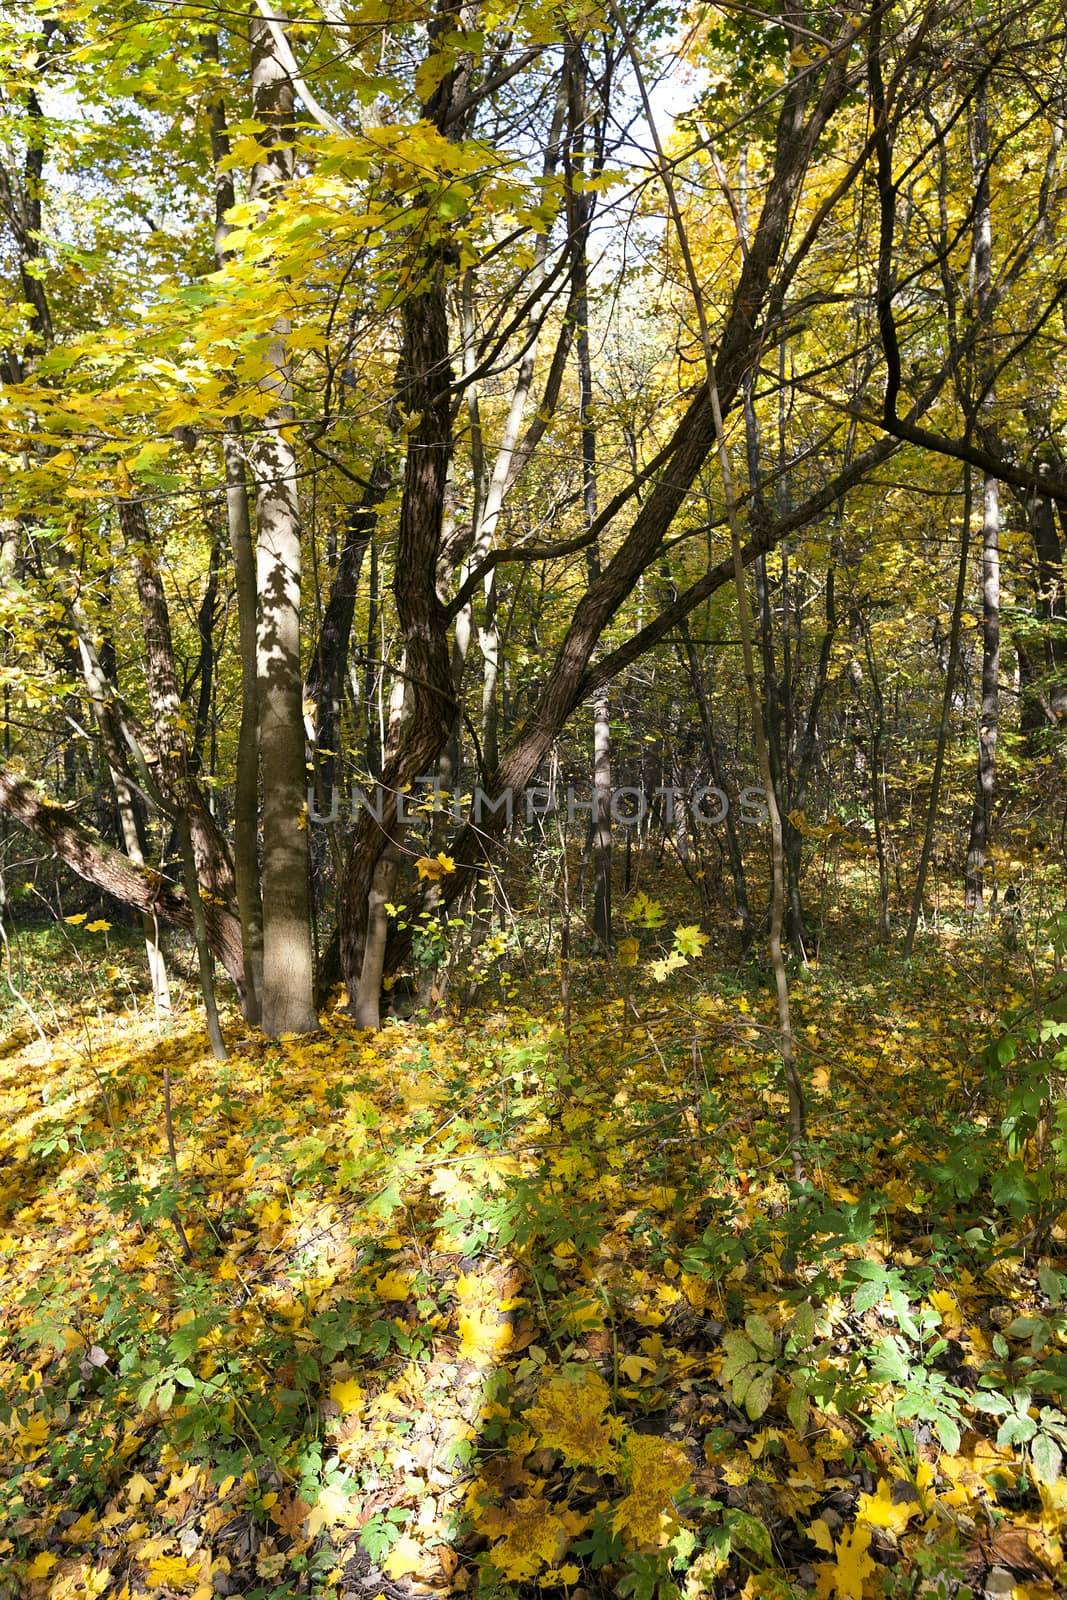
{"x": 436, "y": 867}
{"x": 853, "y": 1563}
{"x": 879, "y": 1511}
{"x": 394, "y": 1285}
{"x": 819, "y": 1533}
{"x": 332, "y": 1508}
{"x": 657, "y": 1470}
{"x": 172, "y": 1572}
{"x": 627, "y": 951}
{"x": 533, "y": 1534}
{"x": 569, "y": 1416}
{"x": 99, "y": 926}
{"x": 347, "y": 1395}
{"x": 41, "y": 1565}
{"x": 632, "y": 1367}
{"x": 405, "y": 1556}
{"x": 79, "y": 916}
{"x": 482, "y": 1336}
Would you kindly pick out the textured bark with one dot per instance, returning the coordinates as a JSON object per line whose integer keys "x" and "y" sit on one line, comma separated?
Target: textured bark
{"x": 431, "y": 702}
{"x": 288, "y": 966}
{"x": 246, "y": 789}
{"x": 100, "y": 690}
{"x": 329, "y": 659}
{"x": 213, "y": 864}
{"x": 239, "y": 527}
{"x": 20, "y": 204}
{"x": 430, "y": 705}
{"x": 989, "y": 716}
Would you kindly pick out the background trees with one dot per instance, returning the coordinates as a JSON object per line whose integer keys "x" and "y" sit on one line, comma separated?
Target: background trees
{"x": 394, "y": 298}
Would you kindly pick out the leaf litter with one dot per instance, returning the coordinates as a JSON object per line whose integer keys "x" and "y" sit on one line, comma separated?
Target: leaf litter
{"x": 489, "y": 1308}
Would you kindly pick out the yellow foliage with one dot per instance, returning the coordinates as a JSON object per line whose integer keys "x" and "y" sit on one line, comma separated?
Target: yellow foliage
{"x": 570, "y": 1416}
{"x": 656, "y": 1471}
{"x": 407, "y": 1555}
{"x": 879, "y": 1510}
{"x": 348, "y": 1395}
{"x": 531, "y": 1533}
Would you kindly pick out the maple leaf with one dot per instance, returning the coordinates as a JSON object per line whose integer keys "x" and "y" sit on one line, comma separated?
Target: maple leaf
{"x": 852, "y": 1564}
{"x": 394, "y": 1285}
{"x": 172, "y": 1572}
{"x": 689, "y": 941}
{"x": 333, "y": 1508}
{"x": 656, "y": 1470}
{"x": 533, "y": 1534}
{"x": 407, "y": 1555}
{"x": 879, "y": 1510}
{"x": 569, "y": 1416}
{"x": 482, "y": 1334}
{"x": 348, "y": 1395}
{"x": 434, "y": 868}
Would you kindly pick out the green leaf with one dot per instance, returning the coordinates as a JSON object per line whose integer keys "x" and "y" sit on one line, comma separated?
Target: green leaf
{"x": 948, "y": 1432}
{"x": 739, "y": 1353}
{"x": 183, "y": 1342}
{"x": 993, "y": 1404}
{"x": 760, "y": 1332}
{"x": 802, "y": 1328}
{"x": 889, "y": 1363}
{"x": 758, "y": 1395}
{"x": 749, "y": 1533}
{"x": 1051, "y": 1284}
{"x": 868, "y": 1295}
{"x": 1047, "y": 1458}
{"x": 797, "y": 1409}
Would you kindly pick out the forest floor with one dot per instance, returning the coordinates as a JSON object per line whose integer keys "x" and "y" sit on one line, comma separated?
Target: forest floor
{"x": 531, "y": 1301}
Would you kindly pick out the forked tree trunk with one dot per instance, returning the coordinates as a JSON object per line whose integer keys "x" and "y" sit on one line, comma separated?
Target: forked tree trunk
{"x": 570, "y": 679}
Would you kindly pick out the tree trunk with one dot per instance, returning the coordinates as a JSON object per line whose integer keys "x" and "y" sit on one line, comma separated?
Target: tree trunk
{"x": 570, "y": 679}
{"x": 198, "y": 836}
{"x": 239, "y": 526}
{"x": 114, "y": 874}
{"x": 288, "y": 1002}
{"x": 99, "y": 689}
{"x": 982, "y": 811}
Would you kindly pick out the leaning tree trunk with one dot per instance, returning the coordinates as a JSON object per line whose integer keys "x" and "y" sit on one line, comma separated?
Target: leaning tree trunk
{"x": 101, "y": 692}
{"x": 115, "y": 874}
